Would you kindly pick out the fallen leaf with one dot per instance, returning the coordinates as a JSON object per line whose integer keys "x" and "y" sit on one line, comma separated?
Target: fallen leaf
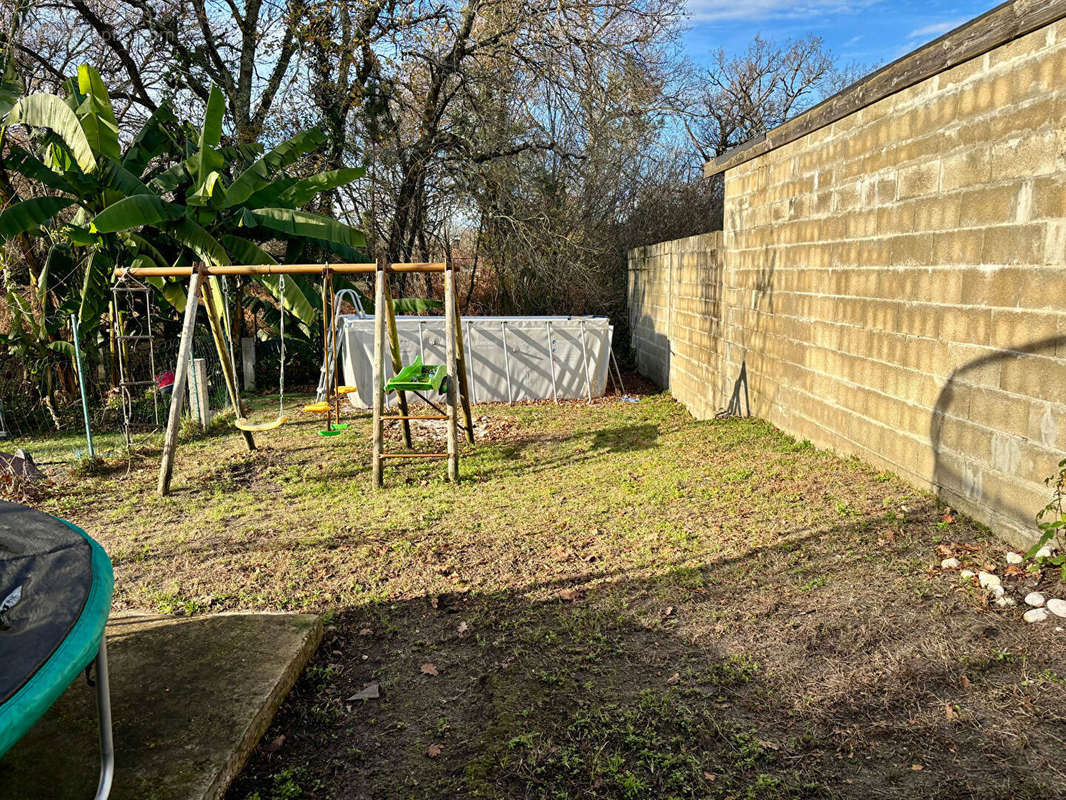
{"x": 275, "y": 744}
{"x": 570, "y": 595}
{"x": 709, "y": 776}
{"x": 966, "y": 682}
{"x": 463, "y": 628}
{"x": 668, "y": 611}
{"x": 950, "y": 712}
{"x": 944, "y": 550}
{"x": 429, "y": 669}
{"x": 366, "y": 632}
{"x": 371, "y": 691}
{"x": 917, "y": 767}
{"x": 434, "y": 750}
{"x": 674, "y": 679}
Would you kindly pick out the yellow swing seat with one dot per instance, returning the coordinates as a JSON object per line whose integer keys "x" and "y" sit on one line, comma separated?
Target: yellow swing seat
{"x": 245, "y": 425}
{"x": 346, "y": 389}
{"x": 317, "y": 408}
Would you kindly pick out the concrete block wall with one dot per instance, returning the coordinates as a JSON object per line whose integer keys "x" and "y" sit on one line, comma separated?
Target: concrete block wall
{"x": 675, "y": 315}
{"x": 893, "y": 285}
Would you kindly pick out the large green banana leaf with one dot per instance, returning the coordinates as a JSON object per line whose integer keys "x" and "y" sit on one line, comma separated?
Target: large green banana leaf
{"x": 202, "y": 243}
{"x": 48, "y": 111}
{"x": 136, "y": 211}
{"x": 152, "y": 141}
{"x": 304, "y": 224}
{"x": 115, "y": 176}
{"x": 29, "y": 215}
{"x": 206, "y": 159}
{"x": 96, "y": 114}
{"x": 305, "y": 190}
{"x": 29, "y": 166}
{"x": 270, "y": 196}
{"x": 265, "y": 170}
{"x": 296, "y": 291}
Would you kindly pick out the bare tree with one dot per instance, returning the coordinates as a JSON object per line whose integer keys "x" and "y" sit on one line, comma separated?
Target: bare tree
{"x": 743, "y": 96}
{"x": 150, "y": 49}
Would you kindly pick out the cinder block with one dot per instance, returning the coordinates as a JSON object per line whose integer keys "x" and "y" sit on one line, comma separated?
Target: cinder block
{"x": 919, "y": 180}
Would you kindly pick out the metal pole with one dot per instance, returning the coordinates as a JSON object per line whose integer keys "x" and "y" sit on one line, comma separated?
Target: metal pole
{"x": 81, "y": 387}
{"x": 551, "y": 359}
{"x": 506, "y": 362}
{"x": 103, "y": 705}
{"x": 585, "y": 358}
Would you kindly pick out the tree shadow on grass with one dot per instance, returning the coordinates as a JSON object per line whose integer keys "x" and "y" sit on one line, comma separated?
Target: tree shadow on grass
{"x": 785, "y": 672}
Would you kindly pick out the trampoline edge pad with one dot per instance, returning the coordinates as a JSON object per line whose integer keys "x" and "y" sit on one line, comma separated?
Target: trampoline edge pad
{"x": 73, "y": 655}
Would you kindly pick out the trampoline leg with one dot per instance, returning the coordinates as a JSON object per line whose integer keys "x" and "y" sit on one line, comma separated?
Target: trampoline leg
{"x": 107, "y": 744}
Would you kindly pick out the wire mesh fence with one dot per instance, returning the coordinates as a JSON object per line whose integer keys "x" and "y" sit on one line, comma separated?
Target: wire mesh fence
{"x": 128, "y": 372}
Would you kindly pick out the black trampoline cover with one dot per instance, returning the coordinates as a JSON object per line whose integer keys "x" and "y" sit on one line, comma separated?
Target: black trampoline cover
{"x": 45, "y": 577}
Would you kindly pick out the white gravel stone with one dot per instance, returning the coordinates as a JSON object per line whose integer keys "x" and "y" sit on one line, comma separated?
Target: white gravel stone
{"x": 1044, "y": 552}
{"x": 1035, "y": 599}
{"x": 1014, "y": 558}
{"x": 998, "y": 592}
{"x": 988, "y": 579}
{"x": 1035, "y": 615}
{"x": 1005, "y": 602}
{"x": 950, "y": 563}
{"x": 967, "y": 574}
{"x": 1057, "y": 607}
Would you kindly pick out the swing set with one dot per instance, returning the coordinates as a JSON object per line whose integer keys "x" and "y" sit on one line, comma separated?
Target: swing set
{"x": 447, "y": 380}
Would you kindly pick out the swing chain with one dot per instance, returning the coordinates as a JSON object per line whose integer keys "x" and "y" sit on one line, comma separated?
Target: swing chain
{"x": 281, "y": 368}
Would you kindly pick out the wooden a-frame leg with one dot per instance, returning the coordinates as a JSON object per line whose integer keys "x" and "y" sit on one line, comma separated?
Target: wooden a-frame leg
{"x": 453, "y": 380}
{"x": 177, "y": 396}
{"x": 379, "y": 376}
{"x": 460, "y": 360}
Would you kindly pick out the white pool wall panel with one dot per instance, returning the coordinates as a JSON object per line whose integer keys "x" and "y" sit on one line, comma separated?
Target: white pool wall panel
{"x": 507, "y": 358}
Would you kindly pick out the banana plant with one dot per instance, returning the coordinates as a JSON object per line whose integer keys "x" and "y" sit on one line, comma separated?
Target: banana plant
{"x": 73, "y": 161}
{"x": 173, "y": 196}
{"x": 239, "y": 205}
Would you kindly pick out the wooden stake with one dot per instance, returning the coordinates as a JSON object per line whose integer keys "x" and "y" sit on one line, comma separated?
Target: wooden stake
{"x": 450, "y": 337}
{"x": 460, "y": 360}
{"x": 177, "y": 391}
{"x": 397, "y": 362}
{"x": 379, "y": 376}
{"x": 215, "y": 321}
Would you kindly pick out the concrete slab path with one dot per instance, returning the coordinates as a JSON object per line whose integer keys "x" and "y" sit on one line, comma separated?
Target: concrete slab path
{"x": 190, "y": 696}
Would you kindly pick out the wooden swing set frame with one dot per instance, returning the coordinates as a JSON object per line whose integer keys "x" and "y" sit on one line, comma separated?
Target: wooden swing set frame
{"x": 456, "y": 391}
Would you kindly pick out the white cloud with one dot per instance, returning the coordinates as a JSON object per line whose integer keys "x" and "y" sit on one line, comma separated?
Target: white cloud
{"x": 936, "y": 28}
{"x": 736, "y": 10}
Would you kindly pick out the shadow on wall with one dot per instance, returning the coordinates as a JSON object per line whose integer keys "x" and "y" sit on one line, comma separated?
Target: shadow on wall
{"x": 740, "y": 389}
{"x": 970, "y": 405}
{"x": 762, "y": 303}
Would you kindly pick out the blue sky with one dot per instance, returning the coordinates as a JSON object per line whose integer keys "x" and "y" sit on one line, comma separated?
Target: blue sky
{"x": 868, "y": 32}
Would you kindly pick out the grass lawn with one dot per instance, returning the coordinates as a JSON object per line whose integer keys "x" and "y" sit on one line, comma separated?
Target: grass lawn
{"x": 617, "y": 602}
